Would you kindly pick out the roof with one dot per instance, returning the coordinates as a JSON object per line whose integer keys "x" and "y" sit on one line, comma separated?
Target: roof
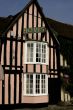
{"x": 4, "y": 23}
{"x": 64, "y": 30}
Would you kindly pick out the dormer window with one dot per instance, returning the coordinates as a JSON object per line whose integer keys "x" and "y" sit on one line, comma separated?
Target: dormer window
{"x": 36, "y": 52}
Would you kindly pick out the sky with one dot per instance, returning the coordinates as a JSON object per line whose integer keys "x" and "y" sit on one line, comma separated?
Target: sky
{"x": 60, "y": 10}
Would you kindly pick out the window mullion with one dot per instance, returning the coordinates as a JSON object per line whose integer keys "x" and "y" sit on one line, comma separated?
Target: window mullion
{"x": 46, "y": 84}
{"x": 34, "y": 85}
{"x": 41, "y": 52}
{"x": 25, "y": 84}
{"x": 34, "y": 53}
{"x": 29, "y": 84}
{"x": 40, "y": 84}
{"x": 25, "y": 53}
{"x": 47, "y": 54}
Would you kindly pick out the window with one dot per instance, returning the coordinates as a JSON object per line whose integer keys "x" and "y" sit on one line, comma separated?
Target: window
{"x": 29, "y": 84}
{"x": 35, "y": 84}
{"x": 43, "y": 83}
{"x": 36, "y": 52}
{"x": 30, "y": 52}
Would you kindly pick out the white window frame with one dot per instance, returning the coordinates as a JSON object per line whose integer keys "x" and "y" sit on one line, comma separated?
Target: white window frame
{"x": 34, "y": 85}
{"x": 34, "y": 53}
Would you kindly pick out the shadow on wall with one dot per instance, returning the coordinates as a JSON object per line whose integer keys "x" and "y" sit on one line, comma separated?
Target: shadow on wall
{"x": 66, "y": 50}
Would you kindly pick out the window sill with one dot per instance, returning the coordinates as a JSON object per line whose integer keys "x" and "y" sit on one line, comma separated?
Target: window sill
{"x": 32, "y": 95}
{"x": 36, "y": 63}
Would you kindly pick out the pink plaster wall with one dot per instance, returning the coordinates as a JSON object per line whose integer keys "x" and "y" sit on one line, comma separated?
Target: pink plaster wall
{"x": 39, "y": 15}
{"x": 35, "y": 10}
{"x": 2, "y": 55}
{"x": 0, "y": 92}
{"x": 30, "y": 35}
{"x": 43, "y": 26}
{"x": 34, "y": 36}
{"x": 13, "y": 54}
{"x": 47, "y": 36}
{"x": 8, "y": 34}
{"x": 12, "y": 89}
{"x": 19, "y": 26}
{"x": 61, "y": 59}
{"x": 18, "y": 54}
{"x": 25, "y": 20}
{"x": 30, "y": 9}
{"x": 8, "y": 53}
{"x": 30, "y": 68}
{"x": 51, "y": 41}
{"x": 38, "y": 68}
{"x": 14, "y": 30}
{"x": 24, "y": 68}
{"x": 34, "y": 21}
{"x": 6, "y": 88}
{"x": 35, "y": 99}
{"x": 30, "y": 21}
{"x": 39, "y": 25}
{"x": 17, "y": 89}
{"x": 43, "y": 68}
{"x": 51, "y": 58}
{"x": 55, "y": 60}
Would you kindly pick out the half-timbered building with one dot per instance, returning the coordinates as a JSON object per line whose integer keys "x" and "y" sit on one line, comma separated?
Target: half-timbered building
{"x": 30, "y": 59}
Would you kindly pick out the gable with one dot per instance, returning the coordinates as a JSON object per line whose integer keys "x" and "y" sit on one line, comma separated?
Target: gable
{"x": 31, "y": 16}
